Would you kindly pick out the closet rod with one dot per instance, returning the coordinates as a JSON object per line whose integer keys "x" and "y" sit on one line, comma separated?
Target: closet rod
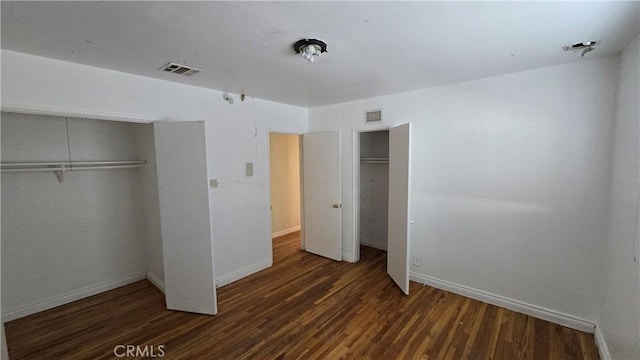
{"x": 372, "y": 160}
{"x": 54, "y": 165}
{"x": 18, "y": 164}
{"x": 60, "y": 167}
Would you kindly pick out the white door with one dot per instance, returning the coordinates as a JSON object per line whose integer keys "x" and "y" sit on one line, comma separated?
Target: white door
{"x": 322, "y": 194}
{"x": 184, "y": 217}
{"x": 399, "y": 191}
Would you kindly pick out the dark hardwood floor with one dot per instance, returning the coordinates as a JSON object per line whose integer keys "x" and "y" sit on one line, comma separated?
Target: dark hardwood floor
{"x": 304, "y": 307}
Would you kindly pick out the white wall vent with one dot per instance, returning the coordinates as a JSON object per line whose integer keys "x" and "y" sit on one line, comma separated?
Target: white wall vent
{"x": 373, "y": 116}
{"x": 180, "y": 69}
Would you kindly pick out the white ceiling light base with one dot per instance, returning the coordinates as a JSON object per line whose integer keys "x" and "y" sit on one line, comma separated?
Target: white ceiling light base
{"x": 584, "y": 47}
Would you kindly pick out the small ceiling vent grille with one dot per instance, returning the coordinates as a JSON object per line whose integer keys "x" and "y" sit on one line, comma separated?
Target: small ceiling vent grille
{"x": 180, "y": 69}
{"x": 373, "y": 116}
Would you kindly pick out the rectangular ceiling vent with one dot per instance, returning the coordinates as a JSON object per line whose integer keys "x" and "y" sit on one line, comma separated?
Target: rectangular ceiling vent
{"x": 180, "y": 69}
{"x": 373, "y": 116}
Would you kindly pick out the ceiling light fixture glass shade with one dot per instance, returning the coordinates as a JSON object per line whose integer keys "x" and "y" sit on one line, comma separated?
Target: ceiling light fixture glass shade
{"x": 309, "y": 52}
{"x": 310, "y": 49}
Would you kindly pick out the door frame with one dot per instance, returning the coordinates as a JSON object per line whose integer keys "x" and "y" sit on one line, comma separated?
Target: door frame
{"x": 355, "y": 213}
{"x": 268, "y": 182}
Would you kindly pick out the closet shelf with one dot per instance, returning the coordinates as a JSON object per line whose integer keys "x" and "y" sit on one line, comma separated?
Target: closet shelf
{"x": 60, "y": 167}
{"x": 374, "y": 160}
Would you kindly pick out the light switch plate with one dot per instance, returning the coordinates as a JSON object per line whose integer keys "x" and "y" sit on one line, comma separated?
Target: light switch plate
{"x": 213, "y": 183}
{"x": 249, "y": 169}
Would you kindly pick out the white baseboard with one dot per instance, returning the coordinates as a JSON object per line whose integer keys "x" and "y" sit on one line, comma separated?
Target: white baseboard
{"x": 71, "y": 296}
{"x": 347, "y": 257}
{"x": 601, "y": 344}
{"x": 229, "y": 278}
{"x": 285, "y": 231}
{"x": 155, "y": 281}
{"x": 382, "y": 247}
{"x": 515, "y": 305}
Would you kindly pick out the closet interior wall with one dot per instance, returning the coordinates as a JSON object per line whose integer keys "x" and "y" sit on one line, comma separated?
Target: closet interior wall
{"x": 374, "y": 188}
{"x": 62, "y": 241}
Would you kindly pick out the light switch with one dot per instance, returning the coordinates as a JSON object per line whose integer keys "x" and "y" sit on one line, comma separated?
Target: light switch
{"x": 249, "y": 169}
{"x": 213, "y": 183}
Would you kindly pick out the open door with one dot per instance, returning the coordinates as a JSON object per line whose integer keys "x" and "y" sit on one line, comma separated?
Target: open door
{"x": 322, "y": 194}
{"x": 184, "y": 217}
{"x": 399, "y": 190}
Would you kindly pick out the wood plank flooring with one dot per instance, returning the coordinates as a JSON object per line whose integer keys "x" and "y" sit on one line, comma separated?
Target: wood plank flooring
{"x": 304, "y": 307}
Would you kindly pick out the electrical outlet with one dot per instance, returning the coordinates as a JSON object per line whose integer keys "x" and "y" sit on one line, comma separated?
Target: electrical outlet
{"x": 417, "y": 261}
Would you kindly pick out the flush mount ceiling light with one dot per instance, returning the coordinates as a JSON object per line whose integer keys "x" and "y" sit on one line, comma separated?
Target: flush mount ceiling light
{"x": 310, "y": 49}
{"x": 585, "y": 47}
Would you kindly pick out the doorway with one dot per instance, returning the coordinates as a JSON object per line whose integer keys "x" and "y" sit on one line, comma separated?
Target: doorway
{"x": 381, "y": 196}
{"x": 374, "y": 189}
{"x": 284, "y": 170}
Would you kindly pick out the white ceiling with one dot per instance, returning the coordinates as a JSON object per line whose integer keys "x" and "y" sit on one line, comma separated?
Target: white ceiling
{"x": 375, "y": 48}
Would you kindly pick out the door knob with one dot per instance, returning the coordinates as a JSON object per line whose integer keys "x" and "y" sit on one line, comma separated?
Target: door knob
{"x": 337, "y": 206}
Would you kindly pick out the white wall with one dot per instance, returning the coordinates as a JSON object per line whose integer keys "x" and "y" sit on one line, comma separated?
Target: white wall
{"x": 510, "y": 181}
{"x": 285, "y": 183}
{"x": 620, "y": 308}
{"x": 64, "y": 241}
{"x": 236, "y": 134}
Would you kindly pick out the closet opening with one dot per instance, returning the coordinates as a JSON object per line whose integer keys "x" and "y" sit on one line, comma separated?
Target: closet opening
{"x": 372, "y": 190}
{"x": 285, "y": 180}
